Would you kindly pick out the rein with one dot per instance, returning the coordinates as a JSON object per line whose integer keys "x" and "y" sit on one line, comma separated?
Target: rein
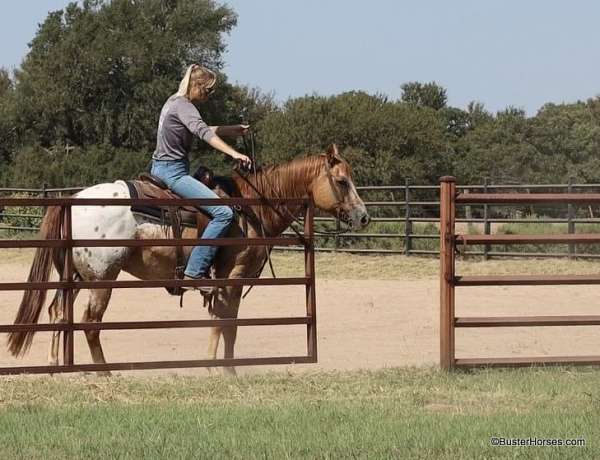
{"x": 251, "y": 150}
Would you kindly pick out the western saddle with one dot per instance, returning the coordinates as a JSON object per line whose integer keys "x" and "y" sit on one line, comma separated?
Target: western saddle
{"x": 149, "y": 186}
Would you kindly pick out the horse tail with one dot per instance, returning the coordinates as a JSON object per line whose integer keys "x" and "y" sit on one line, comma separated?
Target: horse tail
{"x": 33, "y": 301}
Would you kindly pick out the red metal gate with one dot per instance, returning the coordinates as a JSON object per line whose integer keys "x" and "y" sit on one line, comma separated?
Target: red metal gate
{"x": 68, "y": 284}
{"x": 450, "y": 243}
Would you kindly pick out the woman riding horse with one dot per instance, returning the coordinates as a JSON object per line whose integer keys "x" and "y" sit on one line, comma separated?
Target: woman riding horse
{"x": 324, "y": 178}
{"x": 179, "y": 122}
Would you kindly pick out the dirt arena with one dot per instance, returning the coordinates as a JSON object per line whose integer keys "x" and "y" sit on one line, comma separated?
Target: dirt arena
{"x": 362, "y": 324}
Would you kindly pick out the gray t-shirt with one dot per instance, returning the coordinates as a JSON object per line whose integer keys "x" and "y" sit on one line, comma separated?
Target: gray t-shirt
{"x": 179, "y": 122}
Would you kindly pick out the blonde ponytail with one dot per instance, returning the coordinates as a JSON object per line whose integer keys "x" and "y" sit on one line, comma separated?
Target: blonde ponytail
{"x": 197, "y": 75}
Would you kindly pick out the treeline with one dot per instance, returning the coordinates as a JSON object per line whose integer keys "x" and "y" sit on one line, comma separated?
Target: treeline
{"x": 84, "y": 105}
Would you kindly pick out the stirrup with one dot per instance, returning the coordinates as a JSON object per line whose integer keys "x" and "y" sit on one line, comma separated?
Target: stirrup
{"x": 207, "y": 299}
{"x": 204, "y": 290}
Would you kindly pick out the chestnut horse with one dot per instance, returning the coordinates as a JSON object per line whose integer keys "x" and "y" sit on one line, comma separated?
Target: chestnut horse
{"x": 325, "y": 178}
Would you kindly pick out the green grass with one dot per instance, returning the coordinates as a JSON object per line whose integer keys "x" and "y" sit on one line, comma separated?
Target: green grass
{"x": 394, "y": 413}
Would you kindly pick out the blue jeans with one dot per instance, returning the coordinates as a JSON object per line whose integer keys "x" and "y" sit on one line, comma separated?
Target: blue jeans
{"x": 175, "y": 173}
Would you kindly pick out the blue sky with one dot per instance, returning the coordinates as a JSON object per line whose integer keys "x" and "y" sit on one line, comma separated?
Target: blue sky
{"x": 501, "y": 53}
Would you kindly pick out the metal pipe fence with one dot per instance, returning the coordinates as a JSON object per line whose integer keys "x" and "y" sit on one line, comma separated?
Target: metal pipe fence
{"x": 451, "y": 241}
{"x": 68, "y": 285}
{"x": 405, "y": 219}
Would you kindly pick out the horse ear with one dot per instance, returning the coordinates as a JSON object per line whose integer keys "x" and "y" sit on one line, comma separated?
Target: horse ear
{"x": 333, "y": 155}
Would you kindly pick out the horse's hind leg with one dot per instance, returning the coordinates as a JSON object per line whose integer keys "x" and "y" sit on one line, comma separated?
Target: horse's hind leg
{"x": 93, "y": 313}
{"x": 56, "y": 315}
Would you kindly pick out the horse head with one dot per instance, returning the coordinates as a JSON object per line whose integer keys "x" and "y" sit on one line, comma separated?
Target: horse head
{"x": 334, "y": 192}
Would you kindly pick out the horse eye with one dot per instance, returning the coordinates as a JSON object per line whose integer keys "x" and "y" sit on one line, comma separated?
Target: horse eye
{"x": 343, "y": 183}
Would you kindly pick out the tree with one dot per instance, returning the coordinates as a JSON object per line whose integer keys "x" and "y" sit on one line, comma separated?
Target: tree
{"x": 385, "y": 141}
{"x": 99, "y": 72}
{"x": 498, "y": 150}
{"x": 429, "y": 95}
{"x": 7, "y": 108}
{"x": 568, "y": 137}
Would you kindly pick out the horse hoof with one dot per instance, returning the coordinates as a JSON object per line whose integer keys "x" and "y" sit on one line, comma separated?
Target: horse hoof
{"x": 229, "y": 372}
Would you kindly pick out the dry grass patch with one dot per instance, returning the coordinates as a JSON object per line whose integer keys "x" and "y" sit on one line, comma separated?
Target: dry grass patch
{"x": 16, "y": 256}
{"x": 354, "y": 266}
{"x": 344, "y": 266}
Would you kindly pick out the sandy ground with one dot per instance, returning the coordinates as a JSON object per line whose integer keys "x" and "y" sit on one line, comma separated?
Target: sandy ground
{"x": 362, "y": 324}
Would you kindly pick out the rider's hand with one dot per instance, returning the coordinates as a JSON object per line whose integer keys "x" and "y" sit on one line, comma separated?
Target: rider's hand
{"x": 243, "y": 159}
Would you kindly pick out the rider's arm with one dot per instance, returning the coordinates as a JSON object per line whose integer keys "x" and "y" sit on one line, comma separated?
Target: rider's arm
{"x": 190, "y": 117}
{"x": 233, "y": 131}
{"x": 217, "y": 143}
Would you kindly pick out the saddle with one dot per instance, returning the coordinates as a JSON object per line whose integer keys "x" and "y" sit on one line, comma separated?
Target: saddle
{"x": 149, "y": 186}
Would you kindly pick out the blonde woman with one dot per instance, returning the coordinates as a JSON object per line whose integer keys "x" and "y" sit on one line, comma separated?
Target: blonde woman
{"x": 179, "y": 122}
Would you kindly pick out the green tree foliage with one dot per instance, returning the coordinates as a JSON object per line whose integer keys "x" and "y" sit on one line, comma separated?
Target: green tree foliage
{"x": 567, "y": 138}
{"x": 96, "y": 77}
{"x": 66, "y": 166}
{"x": 429, "y": 95}
{"x": 560, "y": 142}
{"x": 84, "y": 106}
{"x": 7, "y": 121}
{"x": 98, "y": 72}
{"x": 385, "y": 140}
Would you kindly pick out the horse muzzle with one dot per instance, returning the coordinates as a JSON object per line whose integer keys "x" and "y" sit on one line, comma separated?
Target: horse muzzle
{"x": 357, "y": 219}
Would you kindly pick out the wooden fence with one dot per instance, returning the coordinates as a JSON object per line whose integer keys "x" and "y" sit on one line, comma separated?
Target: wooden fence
{"x": 69, "y": 285}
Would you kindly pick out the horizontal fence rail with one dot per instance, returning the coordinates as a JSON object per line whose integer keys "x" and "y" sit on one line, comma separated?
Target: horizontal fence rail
{"x": 405, "y": 219}
{"x": 68, "y": 284}
{"x": 451, "y": 243}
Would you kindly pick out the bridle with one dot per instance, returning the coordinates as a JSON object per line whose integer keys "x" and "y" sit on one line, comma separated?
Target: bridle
{"x": 249, "y": 147}
{"x": 341, "y": 215}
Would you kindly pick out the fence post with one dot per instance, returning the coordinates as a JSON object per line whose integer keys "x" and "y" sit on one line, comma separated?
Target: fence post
{"x": 447, "y": 227}
{"x": 67, "y": 301}
{"x": 468, "y": 210}
{"x": 44, "y": 195}
{"x": 407, "y": 221}
{"x": 570, "y": 217}
{"x": 309, "y": 269}
{"x": 336, "y": 237}
{"x": 486, "y": 224}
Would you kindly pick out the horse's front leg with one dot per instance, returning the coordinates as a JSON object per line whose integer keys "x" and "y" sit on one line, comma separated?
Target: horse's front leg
{"x": 229, "y": 335}
{"x": 226, "y": 305}
{"x": 213, "y": 342}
